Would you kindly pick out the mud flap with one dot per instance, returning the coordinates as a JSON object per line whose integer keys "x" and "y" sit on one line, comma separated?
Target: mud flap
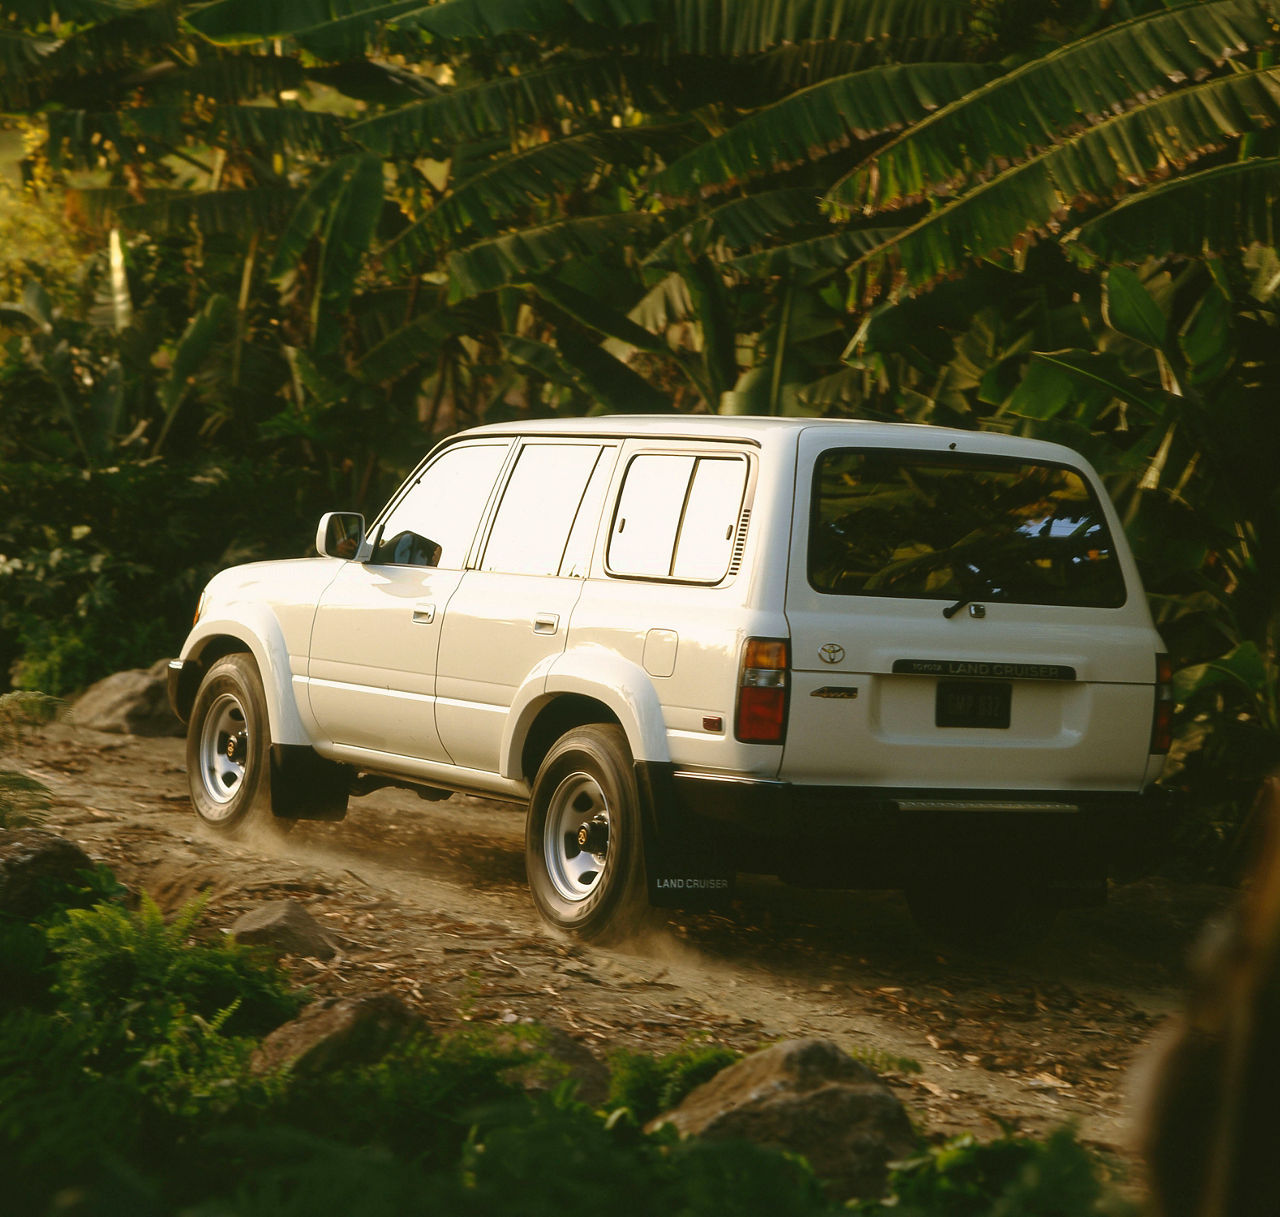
{"x": 675, "y": 887}
{"x": 305, "y": 786}
{"x": 683, "y": 869}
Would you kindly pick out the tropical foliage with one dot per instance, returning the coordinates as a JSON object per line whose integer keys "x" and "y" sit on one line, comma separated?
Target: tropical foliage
{"x": 324, "y": 233}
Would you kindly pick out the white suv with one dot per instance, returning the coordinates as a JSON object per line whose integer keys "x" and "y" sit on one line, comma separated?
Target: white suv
{"x": 845, "y": 653}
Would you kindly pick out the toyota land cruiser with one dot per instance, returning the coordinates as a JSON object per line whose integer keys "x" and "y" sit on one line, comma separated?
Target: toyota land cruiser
{"x": 839, "y": 652}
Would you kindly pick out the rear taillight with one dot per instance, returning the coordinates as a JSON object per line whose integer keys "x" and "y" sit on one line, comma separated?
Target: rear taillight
{"x": 1162, "y": 719}
{"x": 762, "y": 692}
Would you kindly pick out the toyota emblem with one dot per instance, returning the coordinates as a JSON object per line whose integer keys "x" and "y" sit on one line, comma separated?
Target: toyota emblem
{"x": 831, "y": 652}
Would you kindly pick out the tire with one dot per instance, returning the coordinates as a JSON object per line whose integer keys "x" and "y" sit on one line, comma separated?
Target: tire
{"x": 584, "y": 841}
{"x": 229, "y": 746}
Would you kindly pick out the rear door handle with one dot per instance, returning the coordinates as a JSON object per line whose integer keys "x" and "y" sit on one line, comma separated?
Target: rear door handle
{"x": 424, "y": 614}
{"x": 546, "y": 623}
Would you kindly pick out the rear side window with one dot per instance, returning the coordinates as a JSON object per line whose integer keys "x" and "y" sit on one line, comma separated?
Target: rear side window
{"x": 538, "y": 508}
{"x": 926, "y": 526}
{"x": 677, "y": 517}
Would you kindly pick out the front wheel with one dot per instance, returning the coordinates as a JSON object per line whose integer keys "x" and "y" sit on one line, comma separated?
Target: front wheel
{"x": 229, "y": 744}
{"x": 584, "y": 842}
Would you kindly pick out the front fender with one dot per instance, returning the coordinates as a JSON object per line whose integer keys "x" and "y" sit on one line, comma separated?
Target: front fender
{"x": 257, "y": 630}
{"x": 600, "y": 674}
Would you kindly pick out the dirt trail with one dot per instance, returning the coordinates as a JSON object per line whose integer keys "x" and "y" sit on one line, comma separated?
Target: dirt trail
{"x": 429, "y": 900}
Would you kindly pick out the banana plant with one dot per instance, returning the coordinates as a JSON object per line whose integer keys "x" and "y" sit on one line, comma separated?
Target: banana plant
{"x": 1064, "y": 138}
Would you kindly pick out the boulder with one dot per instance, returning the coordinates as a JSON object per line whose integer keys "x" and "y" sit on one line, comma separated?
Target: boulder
{"x": 335, "y": 1032}
{"x": 135, "y": 702}
{"x": 34, "y": 864}
{"x": 286, "y": 928}
{"x": 810, "y": 1098}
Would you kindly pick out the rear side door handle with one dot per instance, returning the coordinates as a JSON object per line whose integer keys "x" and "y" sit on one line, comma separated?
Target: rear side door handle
{"x": 546, "y": 623}
{"x": 424, "y": 614}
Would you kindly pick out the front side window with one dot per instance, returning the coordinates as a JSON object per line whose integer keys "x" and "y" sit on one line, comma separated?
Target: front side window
{"x": 435, "y": 521}
{"x": 538, "y": 508}
{"x": 677, "y": 517}
{"x": 951, "y": 527}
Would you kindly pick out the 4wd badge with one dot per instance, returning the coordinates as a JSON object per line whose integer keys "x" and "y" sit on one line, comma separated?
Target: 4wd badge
{"x": 831, "y": 652}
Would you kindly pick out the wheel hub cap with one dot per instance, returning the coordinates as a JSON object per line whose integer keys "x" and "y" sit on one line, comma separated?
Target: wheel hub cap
{"x": 224, "y": 752}
{"x": 576, "y": 837}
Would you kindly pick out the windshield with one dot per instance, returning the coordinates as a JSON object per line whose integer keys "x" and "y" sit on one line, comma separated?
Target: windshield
{"x": 959, "y": 528}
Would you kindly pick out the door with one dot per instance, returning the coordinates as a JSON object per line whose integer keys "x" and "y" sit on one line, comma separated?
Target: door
{"x": 965, "y": 620}
{"x": 374, "y": 642}
{"x": 512, "y": 611}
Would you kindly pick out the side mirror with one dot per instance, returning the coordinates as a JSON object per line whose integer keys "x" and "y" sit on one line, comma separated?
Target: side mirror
{"x": 340, "y": 534}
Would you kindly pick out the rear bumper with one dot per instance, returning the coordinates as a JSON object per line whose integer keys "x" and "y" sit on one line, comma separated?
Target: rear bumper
{"x": 876, "y": 837}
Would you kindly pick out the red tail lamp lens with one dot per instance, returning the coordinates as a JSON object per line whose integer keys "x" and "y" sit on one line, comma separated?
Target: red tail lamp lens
{"x": 1162, "y": 719}
{"x": 762, "y": 692}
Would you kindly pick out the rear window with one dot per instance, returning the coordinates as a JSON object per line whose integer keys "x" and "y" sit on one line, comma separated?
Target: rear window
{"x": 951, "y": 527}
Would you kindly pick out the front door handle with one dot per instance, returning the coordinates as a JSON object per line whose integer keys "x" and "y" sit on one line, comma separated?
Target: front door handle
{"x": 546, "y": 623}
{"x": 424, "y": 614}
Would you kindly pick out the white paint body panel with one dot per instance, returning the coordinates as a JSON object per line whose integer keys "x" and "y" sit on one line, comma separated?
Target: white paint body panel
{"x": 439, "y": 675}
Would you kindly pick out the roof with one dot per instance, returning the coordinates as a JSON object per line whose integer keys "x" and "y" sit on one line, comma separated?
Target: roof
{"x": 756, "y": 428}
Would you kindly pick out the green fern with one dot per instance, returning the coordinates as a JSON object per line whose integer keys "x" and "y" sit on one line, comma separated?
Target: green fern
{"x": 130, "y": 974}
{"x": 648, "y": 1085}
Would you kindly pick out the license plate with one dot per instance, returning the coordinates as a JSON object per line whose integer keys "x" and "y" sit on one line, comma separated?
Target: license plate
{"x": 973, "y": 703}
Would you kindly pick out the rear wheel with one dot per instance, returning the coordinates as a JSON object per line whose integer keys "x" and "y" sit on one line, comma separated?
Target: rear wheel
{"x": 584, "y": 843}
{"x": 228, "y": 745}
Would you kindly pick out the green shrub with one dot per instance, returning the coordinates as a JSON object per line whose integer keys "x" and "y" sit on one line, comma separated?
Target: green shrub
{"x": 101, "y": 570}
{"x": 649, "y": 1085}
{"x": 1008, "y": 1177}
{"x": 27, "y": 965}
{"x": 421, "y": 1101}
{"x": 129, "y": 975}
{"x": 61, "y": 1124}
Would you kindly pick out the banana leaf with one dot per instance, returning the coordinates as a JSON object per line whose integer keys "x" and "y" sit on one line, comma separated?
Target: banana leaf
{"x": 517, "y": 256}
{"x": 1040, "y": 195}
{"x": 814, "y": 122}
{"x": 1038, "y": 104}
{"x": 1226, "y": 207}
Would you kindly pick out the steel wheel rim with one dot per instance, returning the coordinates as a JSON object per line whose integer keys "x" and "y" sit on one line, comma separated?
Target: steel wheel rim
{"x": 574, "y": 872}
{"x": 224, "y": 749}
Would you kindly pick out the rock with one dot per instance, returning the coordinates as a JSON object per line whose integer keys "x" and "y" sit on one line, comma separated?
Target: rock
{"x": 557, "y": 1056}
{"x": 33, "y": 864}
{"x": 808, "y": 1097}
{"x": 589, "y": 1072}
{"x": 286, "y": 928}
{"x": 337, "y": 1032}
{"x": 129, "y": 703}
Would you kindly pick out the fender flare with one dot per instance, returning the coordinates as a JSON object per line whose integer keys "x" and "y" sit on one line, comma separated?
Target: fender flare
{"x": 598, "y": 673}
{"x": 259, "y": 633}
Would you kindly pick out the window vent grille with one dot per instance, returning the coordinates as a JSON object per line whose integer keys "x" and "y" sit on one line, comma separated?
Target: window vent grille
{"x": 740, "y": 542}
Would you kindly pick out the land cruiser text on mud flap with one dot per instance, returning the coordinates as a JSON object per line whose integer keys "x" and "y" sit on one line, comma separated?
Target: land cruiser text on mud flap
{"x": 840, "y": 652}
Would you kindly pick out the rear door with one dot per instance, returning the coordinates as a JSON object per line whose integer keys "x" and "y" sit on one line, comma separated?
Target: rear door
{"x": 512, "y": 611}
{"x": 963, "y": 617}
